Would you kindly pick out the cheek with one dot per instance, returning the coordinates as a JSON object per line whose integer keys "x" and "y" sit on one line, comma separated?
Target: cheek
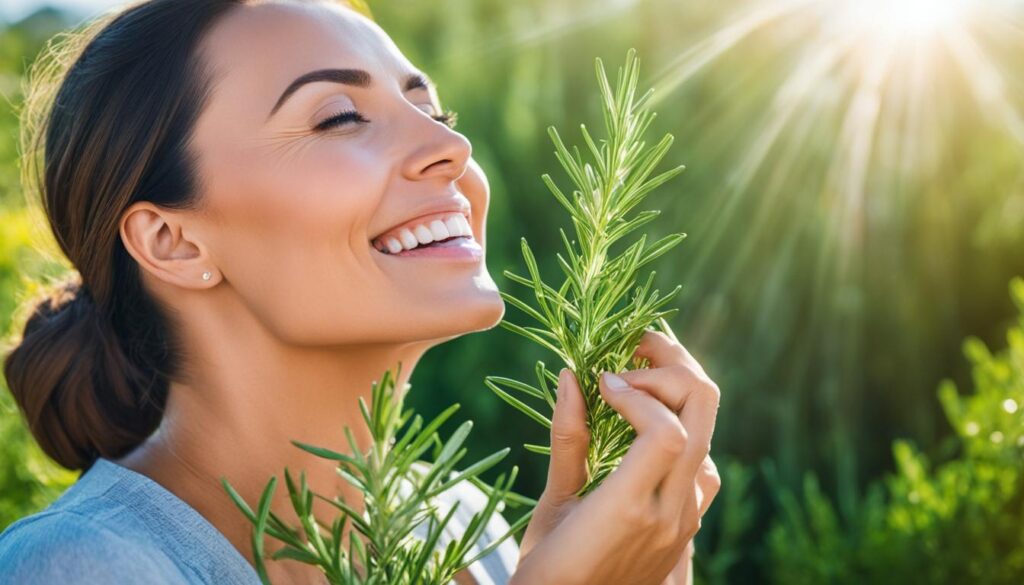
{"x": 317, "y": 191}
{"x": 292, "y": 238}
{"x": 298, "y": 207}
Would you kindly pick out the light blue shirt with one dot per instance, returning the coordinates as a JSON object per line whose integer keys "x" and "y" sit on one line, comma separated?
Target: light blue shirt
{"x": 115, "y": 525}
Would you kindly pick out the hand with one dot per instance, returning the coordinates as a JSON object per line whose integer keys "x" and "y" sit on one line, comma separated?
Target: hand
{"x": 708, "y": 479}
{"x": 708, "y": 484}
{"x": 635, "y": 527}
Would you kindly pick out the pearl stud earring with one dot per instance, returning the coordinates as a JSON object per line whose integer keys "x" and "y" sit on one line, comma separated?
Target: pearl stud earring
{"x": 207, "y": 275}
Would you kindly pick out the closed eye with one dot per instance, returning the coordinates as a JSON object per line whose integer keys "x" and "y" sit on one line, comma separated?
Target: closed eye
{"x": 448, "y": 118}
{"x": 340, "y": 119}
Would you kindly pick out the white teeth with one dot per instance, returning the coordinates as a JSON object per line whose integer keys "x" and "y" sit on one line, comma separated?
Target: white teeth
{"x": 394, "y": 246}
{"x": 438, "y": 229}
{"x": 453, "y": 225}
{"x": 423, "y": 235}
{"x": 464, "y": 225}
{"x": 408, "y": 240}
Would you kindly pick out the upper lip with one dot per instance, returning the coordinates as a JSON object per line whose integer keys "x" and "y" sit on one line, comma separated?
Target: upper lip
{"x": 454, "y": 204}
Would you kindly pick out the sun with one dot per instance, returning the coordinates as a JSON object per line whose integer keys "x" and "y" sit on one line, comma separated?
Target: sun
{"x": 905, "y": 19}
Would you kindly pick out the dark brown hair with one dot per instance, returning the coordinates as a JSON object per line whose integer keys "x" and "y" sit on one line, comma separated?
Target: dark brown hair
{"x": 108, "y": 117}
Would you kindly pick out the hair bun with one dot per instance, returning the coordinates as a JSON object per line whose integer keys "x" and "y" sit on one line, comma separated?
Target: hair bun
{"x": 78, "y": 391}
{"x": 69, "y": 298}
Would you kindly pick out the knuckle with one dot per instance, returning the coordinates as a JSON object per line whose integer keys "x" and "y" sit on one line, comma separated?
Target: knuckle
{"x": 660, "y": 337}
{"x": 666, "y": 534}
{"x": 677, "y": 349}
{"x": 640, "y": 517}
{"x": 568, "y": 438}
{"x": 671, "y": 437}
{"x": 650, "y": 336}
{"x": 710, "y": 390}
{"x": 710, "y": 485}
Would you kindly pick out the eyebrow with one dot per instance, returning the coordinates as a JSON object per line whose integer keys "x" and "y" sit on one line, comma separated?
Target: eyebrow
{"x": 353, "y": 77}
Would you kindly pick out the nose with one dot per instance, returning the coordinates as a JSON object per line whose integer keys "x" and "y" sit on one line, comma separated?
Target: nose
{"x": 445, "y": 153}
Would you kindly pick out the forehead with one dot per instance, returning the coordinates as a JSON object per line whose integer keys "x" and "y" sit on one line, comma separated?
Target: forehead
{"x": 262, "y": 48}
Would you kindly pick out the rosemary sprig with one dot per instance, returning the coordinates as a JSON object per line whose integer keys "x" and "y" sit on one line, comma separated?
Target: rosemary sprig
{"x": 398, "y": 538}
{"x": 590, "y": 321}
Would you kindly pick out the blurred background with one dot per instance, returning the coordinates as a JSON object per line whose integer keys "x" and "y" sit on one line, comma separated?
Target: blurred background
{"x": 854, "y": 201}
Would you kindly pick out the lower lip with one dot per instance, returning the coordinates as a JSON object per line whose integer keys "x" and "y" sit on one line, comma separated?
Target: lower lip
{"x": 456, "y": 249}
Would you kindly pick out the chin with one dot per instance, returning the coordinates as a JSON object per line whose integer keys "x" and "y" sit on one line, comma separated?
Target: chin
{"x": 496, "y": 313}
{"x": 462, "y": 314}
{"x": 484, "y": 312}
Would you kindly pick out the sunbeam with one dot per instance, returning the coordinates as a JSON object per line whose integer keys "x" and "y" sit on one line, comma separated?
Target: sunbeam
{"x": 836, "y": 173}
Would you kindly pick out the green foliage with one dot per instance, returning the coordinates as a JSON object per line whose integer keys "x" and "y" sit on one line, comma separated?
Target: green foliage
{"x": 588, "y": 321}
{"x": 955, "y": 521}
{"x": 400, "y": 496}
{"x": 29, "y": 480}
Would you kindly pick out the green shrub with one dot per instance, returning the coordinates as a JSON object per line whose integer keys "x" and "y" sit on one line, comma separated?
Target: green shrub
{"x": 29, "y": 480}
{"x": 954, "y": 521}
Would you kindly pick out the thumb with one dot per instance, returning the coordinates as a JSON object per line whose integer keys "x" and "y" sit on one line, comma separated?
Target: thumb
{"x": 570, "y": 439}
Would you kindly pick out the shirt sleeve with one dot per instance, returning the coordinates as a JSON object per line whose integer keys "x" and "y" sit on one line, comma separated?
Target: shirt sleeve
{"x": 497, "y": 567}
{"x": 67, "y": 548}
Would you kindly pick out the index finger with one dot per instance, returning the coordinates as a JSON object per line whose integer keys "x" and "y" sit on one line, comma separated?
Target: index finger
{"x": 661, "y": 350}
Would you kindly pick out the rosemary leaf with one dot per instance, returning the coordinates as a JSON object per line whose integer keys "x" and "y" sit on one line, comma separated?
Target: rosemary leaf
{"x": 594, "y": 319}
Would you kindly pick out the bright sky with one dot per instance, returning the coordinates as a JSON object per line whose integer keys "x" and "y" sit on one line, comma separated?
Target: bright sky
{"x": 16, "y": 9}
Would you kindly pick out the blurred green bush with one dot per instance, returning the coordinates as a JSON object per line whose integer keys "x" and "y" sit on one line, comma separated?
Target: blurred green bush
{"x": 957, "y": 519}
{"x": 28, "y": 479}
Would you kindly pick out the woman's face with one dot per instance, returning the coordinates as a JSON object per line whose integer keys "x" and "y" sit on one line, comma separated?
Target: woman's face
{"x": 296, "y": 212}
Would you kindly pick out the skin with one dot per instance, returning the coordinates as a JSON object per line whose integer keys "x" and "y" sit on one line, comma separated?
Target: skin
{"x": 302, "y": 314}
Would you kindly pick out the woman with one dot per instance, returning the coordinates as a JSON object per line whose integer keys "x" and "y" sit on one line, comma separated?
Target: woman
{"x": 245, "y": 189}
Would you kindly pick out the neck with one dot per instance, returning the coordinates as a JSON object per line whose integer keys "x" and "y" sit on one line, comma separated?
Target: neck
{"x": 244, "y": 399}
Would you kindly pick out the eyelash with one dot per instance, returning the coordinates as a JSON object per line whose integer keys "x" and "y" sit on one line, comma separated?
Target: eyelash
{"x": 448, "y": 118}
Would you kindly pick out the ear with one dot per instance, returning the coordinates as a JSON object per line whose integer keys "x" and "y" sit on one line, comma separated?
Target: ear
{"x": 158, "y": 240}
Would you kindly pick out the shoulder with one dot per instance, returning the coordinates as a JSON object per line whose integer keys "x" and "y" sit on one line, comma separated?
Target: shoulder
{"x": 63, "y": 546}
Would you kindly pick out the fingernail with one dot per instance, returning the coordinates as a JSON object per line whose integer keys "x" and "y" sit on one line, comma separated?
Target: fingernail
{"x": 562, "y": 381}
{"x": 614, "y": 382}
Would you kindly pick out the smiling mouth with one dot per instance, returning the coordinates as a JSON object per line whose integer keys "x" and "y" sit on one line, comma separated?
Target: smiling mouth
{"x": 436, "y": 231}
